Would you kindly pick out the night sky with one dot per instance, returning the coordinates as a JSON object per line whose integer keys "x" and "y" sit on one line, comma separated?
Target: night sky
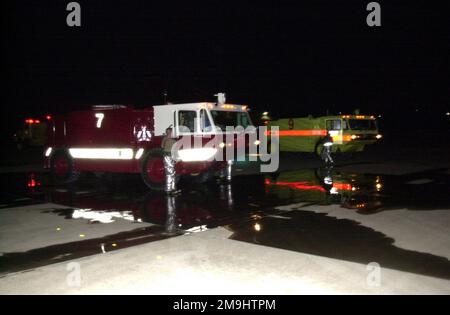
{"x": 288, "y": 57}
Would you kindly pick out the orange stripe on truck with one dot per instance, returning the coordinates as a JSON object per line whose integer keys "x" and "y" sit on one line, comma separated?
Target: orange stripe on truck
{"x": 297, "y": 133}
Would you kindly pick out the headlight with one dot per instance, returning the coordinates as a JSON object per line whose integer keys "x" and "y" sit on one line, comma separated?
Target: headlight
{"x": 222, "y": 145}
{"x": 378, "y": 136}
{"x": 257, "y": 142}
{"x": 196, "y": 155}
{"x": 353, "y": 137}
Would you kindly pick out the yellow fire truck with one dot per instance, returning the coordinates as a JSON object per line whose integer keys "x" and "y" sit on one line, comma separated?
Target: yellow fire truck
{"x": 350, "y": 133}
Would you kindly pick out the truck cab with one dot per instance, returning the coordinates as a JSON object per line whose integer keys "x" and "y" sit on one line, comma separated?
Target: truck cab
{"x": 350, "y": 133}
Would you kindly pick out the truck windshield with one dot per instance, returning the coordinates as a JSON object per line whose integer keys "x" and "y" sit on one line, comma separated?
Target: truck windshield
{"x": 362, "y": 124}
{"x": 223, "y": 119}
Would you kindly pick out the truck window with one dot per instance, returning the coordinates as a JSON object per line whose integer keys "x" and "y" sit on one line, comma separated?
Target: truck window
{"x": 334, "y": 124}
{"x": 186, "y": 120}
{"x": 362, "y": 124}
{"x": 223, "y": 119}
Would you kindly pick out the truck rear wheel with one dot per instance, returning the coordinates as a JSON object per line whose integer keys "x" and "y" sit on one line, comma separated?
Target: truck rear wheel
{"x": 152, "y": 170}
{"x": 62, "y": 169}
{"x": 319, "y": 148}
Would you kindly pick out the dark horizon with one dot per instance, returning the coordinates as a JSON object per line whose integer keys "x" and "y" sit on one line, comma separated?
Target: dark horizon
{"x": 285, "y": 57}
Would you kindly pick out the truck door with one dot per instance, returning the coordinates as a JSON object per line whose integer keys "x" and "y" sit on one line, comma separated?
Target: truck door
{"x": 334, "y": 128}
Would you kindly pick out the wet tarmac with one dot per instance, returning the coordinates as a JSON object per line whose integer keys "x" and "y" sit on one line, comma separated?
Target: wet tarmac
{"x": 249, "y": 207}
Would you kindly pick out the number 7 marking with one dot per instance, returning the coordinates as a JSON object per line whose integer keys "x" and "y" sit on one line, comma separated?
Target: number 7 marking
{"x": 99, "y": 117}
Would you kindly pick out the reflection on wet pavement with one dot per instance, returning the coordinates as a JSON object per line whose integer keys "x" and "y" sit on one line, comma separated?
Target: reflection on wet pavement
{"x": 247, "y": 207}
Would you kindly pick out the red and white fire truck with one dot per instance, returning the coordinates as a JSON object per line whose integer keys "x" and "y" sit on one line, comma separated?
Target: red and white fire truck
{"x": 118, "y": 138}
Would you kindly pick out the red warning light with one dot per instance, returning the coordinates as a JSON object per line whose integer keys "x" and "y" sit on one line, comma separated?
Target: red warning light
{"x": 32, "y": 182}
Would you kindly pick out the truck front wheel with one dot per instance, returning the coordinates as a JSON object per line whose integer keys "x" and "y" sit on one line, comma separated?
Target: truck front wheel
{"x": 319, "y": 148}
{"x": 152, "y": 170}
{"x": 62, "y": 169}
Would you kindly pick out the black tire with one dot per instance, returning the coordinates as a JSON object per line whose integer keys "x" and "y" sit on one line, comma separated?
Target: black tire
{"x": 319, "y": 148}
{"x": 153, "y": 183}
{"x": 69, "y": 175}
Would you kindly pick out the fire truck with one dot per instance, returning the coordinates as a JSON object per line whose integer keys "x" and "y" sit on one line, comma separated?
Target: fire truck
{"x": 122, "y": 139}
{"x": 350, "y": 133}
{"x": 32, "y": 133}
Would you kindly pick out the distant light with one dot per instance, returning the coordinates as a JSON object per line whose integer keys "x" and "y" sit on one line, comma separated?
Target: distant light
{"x": 353, "y": 137}
{"x": 222, "y": 145}
{"x": 82, "y": 235}
{"x": 379, "y": 136}
{"x": 114, "y": 245}
{"x": 257, "y": 142}
{"x": 58, "y": 229}
{"x": 37, "y": 121}
{"x": 48, "y": 117}
{"x": 378, "y": 186}
{"x": 257, "y": 227}
{"x": 265, "y": 113}
{"x": 447, "y": 114}
{"x": 379, "y": 116}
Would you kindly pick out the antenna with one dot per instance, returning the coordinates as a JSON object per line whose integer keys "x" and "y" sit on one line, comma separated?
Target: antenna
{"x": 165, "y": 96}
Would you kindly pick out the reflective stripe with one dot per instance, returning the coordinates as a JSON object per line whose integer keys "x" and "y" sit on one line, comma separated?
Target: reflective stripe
{"x": 97, "y": 153}
{"x": 302, "y": 133}
{"x": 196, "y": 155}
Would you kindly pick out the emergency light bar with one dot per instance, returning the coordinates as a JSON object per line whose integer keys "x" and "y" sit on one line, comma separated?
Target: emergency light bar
{"x": 357, "y": 117}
